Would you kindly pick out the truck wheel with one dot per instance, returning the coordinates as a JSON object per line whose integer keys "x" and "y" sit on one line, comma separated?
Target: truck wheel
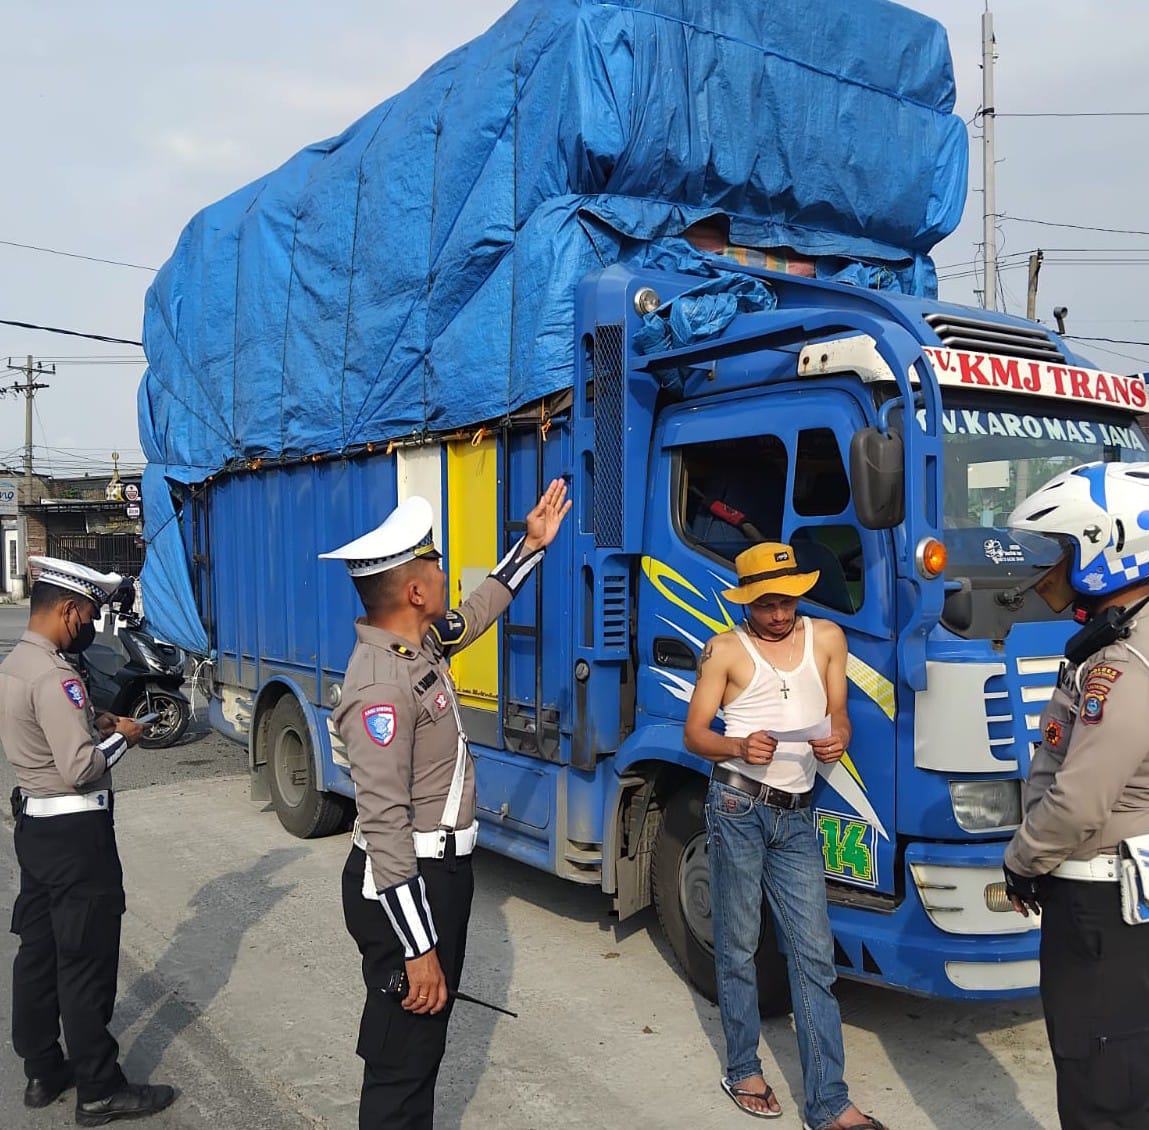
{"x": 680, "y": 881}
{"x": 302, "y": 808}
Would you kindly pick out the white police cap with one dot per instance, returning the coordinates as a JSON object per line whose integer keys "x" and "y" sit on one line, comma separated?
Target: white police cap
{"x": 70, "y": 575}
{"x": 406, "y": 535}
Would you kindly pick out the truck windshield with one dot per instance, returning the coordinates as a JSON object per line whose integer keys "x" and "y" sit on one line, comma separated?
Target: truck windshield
{"x": 995, "y": 454}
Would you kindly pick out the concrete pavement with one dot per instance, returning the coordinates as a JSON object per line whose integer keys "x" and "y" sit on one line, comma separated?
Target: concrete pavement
{"x": 240, "y": 986}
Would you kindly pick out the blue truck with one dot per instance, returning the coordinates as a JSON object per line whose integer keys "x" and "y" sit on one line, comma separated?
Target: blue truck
{"x": 702, "y": 384}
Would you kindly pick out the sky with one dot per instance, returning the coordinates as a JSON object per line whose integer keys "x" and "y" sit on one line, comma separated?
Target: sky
{"x": 122, "y": 120}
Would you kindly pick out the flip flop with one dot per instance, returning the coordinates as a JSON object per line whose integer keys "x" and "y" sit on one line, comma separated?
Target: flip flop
{"x": 871, "y": 1123}
{"x": 740, "y": 1093}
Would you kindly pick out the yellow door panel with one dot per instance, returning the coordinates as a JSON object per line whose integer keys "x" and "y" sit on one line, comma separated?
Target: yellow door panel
{"x": 473, "y": 549}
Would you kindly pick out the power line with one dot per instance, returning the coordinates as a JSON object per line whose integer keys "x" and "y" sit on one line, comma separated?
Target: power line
{"x": 91, "y": 358}
{"x": 1109, "y": 350}
{"x": 1082, "y": 114}
{"x": 77, "y": 255}
{"x": 1075, "y": 227}
{"x": 1111, "y": 340}
{"x": 70, "y": 333}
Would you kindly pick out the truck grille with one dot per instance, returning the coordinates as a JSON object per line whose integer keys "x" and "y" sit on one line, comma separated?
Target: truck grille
{"x": 1035, "y": 678}
{"x": 1030, "y": 342}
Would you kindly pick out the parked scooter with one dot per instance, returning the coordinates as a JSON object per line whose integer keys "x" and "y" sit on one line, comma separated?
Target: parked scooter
{"x": 129, "y": 672}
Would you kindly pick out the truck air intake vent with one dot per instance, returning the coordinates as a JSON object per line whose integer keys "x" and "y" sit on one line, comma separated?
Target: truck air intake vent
{"x": 1030, "y": 342}
{"x": 615, "y": 613}
{"x": 608, "y": 470}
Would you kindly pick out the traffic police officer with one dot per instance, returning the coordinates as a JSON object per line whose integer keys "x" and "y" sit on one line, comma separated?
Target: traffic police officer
{"x": 1088, "y": 790}
{"x": 71, "y": 886}
{"x": 407, "y": 884}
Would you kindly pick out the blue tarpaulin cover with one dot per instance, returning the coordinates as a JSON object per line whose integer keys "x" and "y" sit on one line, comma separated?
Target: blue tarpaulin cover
{"x": 418, "y": 271}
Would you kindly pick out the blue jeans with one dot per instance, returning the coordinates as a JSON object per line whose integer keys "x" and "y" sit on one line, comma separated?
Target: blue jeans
{"x": 756, "y": 848}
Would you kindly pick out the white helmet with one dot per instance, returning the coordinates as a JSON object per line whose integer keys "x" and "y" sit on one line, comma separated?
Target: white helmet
{"x": 1101, "y": 510}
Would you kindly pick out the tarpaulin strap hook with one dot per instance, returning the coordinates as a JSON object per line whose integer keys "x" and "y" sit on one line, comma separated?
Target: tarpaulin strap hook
{"x": 390, "y": 446}
{"x": 478, "y": 437}
{"x": 545, "y": 425}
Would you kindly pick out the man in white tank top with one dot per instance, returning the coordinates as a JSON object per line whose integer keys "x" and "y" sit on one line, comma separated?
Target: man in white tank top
{"x": 775, "y": 674}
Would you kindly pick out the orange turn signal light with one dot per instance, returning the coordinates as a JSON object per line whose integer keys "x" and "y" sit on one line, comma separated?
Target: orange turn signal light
{"x": 931, "y": 557}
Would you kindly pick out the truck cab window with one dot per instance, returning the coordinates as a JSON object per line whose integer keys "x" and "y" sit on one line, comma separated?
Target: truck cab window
{"x": 733, "y": 493}
{"x": 836, "y": 552}
{"x": 821, "y": 485}
{"x": 822, "y": 490}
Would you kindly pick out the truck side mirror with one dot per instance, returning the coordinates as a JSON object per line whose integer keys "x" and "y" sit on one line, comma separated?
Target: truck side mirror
{"x": 877, "y": 476}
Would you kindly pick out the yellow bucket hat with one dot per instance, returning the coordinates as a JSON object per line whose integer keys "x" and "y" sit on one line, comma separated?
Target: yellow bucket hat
{"x": 769, "y": 567}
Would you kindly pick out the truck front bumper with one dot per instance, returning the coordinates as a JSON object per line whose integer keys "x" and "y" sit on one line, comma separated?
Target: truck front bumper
{"x": 943, "y": 940}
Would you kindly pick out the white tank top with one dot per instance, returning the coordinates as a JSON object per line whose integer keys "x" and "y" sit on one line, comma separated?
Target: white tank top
{"x": 762, "y": 706}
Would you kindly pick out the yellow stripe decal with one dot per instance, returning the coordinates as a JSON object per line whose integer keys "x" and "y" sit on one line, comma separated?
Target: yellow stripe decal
{"x": 872, "y": 684}
{"x": 658, "y": 574}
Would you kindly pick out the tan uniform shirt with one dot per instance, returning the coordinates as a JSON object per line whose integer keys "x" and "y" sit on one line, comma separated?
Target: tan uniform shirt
{"x": 397, "y": 721}
{"x": 47, "y": 724}
{"x": 1088, "y": 784}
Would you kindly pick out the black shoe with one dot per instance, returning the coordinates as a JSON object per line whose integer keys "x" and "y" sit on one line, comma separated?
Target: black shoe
{"x": 132, "y": 1100}
{"x": 46, "y": 1090}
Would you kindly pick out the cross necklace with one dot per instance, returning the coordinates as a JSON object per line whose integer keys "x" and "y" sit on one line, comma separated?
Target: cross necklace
{"x": 785, "y": 687}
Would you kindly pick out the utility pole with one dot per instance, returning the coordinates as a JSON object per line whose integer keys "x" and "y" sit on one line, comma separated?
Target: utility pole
{"x": 1031, "y": 296}
{"x": 989, "y": 233}
{"x": 29, "y": 388}
{"x": 30, "y": 371}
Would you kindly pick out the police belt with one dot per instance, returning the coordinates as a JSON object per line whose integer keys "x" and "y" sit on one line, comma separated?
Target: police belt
{"x": 775, "y": 798}
{"x": 1099, "y": 869}
{"x": 65, "y": 805}
{"x": 433, "y": 845}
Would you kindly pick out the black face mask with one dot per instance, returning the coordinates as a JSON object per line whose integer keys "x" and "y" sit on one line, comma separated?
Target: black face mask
{"x": 83, "y": 638}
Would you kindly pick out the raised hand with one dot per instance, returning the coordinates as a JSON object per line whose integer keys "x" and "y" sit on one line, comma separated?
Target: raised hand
{"x": 544, "y": 520}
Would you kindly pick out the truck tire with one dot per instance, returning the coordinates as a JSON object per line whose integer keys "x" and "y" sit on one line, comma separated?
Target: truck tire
{"x": 680, "y": 884}
{"x": 303, "y": 809}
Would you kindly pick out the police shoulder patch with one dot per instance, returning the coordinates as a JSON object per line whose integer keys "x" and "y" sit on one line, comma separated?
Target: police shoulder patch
{"x": 450, "y": 628}
{"x": 1097, "y": 687}
{"x": 380, "y": 723}
{"x": 74, "y": 689}
{"x": 1092, "y": 708}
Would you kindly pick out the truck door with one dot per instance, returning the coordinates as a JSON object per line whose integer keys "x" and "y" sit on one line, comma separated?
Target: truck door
{"x": 773, "y": 467}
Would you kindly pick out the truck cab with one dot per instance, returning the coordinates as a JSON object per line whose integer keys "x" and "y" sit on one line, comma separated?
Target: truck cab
{"x": 949, "y": 665}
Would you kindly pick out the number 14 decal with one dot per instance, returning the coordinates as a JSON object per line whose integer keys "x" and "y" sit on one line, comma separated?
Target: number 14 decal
{"x": 847, "y": 847}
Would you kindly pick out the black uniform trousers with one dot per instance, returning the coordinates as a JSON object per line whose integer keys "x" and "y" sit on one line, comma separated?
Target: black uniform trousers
{"x": 68, "y": 917}
{"x": 401, "y": 1052}
{"x": 1095, "y": 992}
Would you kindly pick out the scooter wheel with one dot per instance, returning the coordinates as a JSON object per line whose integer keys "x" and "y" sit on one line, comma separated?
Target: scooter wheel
{"x": 174, "y": 714}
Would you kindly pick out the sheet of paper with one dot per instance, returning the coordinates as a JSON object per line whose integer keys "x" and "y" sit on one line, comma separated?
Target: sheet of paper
{"x": 820, "y": 729}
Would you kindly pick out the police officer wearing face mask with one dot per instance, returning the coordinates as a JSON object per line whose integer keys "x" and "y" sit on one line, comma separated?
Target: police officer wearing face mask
{"x": 71, "y": 886}
{"x": 1088, "y": 790}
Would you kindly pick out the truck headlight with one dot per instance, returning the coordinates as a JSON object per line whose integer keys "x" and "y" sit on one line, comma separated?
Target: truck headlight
{"x": 982, "y": 806}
